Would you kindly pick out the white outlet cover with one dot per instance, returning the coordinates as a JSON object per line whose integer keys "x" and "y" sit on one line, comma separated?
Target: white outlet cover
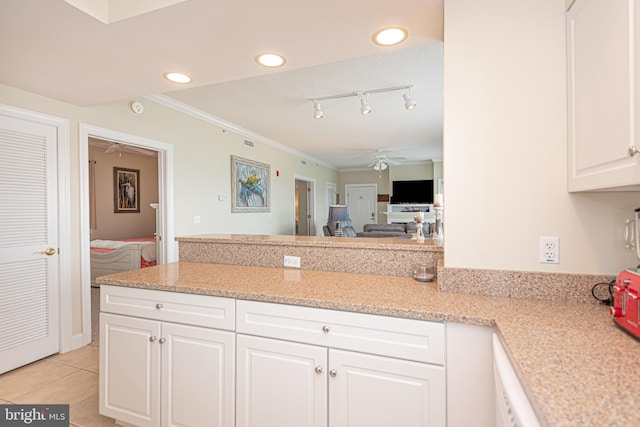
{"x": 549, "y": 250}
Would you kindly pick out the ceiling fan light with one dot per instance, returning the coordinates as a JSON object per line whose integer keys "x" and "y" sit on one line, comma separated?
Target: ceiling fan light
{"x": 380, "y": 166}
{"x": 409, "y": 102}
{"x": 317, "y": 110}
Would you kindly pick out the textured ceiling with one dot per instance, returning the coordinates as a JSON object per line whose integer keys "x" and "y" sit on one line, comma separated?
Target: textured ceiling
{"x": 53, "y": 49}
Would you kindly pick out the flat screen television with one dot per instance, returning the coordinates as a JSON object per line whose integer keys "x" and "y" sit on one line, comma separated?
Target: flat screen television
{"x": 407, "y": 192}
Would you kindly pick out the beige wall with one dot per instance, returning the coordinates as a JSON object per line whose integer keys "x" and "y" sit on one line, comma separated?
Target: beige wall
{"x": 410, "y": 173}
{"x": 201, "y": 170}
{"x": 505, "y": 149}
{"x": 384, "y": 180}
{"x": 115, "y": 226}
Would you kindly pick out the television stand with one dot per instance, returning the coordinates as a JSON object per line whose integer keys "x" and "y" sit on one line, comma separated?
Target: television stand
{"x": 403, "y": 213}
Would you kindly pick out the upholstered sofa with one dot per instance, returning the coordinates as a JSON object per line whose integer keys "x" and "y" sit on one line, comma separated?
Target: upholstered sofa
{"x": 390, "y": 230}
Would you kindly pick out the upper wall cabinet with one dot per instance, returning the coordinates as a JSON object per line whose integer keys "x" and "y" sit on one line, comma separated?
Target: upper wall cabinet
{"x": 602, "y": 53}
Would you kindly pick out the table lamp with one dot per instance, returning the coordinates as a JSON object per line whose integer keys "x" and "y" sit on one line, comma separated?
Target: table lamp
{"x": 338, "y": 213}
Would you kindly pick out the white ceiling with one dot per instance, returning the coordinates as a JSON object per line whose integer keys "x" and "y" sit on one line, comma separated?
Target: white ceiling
{"x": 51, "y": 48}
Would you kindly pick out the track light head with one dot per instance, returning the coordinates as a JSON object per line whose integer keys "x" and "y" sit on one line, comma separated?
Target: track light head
{"x": 317, "y": 110}
{"x": 409, "y": 102}
{"x": 364, "y": 104}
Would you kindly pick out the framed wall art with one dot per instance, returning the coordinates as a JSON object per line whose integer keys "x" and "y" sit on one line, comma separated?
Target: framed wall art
{"x": 250, "y": 186}
{"x": 126, "y": 190}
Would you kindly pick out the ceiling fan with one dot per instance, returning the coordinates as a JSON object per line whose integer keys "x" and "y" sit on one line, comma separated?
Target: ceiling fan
{"x": 381, "y": 161}
{"x": 115, "y": 147}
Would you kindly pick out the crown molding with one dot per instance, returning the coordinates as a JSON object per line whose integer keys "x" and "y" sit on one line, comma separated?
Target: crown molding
{"x": 201, "y": 115}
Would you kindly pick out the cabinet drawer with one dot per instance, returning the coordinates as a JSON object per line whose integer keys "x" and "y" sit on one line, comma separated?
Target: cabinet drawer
{"x": 199, "y": 310}
{"x": 388, "y": 336}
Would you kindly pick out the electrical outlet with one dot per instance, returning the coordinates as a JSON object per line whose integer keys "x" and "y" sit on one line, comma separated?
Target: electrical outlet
{"x": 292, "y": 261}
{"x": 550, "y": 249}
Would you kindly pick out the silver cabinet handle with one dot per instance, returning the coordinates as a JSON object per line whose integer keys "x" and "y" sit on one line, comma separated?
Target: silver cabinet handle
{"x": 162, "y": 340}
{"x": 333, "y": 372}
{"x": 326, "y": 329}
{"x": 153, "y": 338}
{"x": 632, "y": 151}
{"x": 318, "y": 369}
{"x": 159, "y": 306}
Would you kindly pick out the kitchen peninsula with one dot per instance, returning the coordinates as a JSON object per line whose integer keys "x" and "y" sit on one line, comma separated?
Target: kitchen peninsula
{"x": 385, "y": 256}
{"x": 567, "y": 355}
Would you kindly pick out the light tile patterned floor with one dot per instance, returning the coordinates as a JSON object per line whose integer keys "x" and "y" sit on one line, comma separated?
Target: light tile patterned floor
{"x": 70, "y": 378}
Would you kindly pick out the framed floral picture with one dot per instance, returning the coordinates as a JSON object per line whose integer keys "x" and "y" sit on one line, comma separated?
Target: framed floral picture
{"x": 250, "y": 186}
{"x": 126, "y": 190}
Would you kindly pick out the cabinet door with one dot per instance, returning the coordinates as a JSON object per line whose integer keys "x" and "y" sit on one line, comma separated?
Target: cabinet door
{"x": 198, "y": 374}
{"x": 602, "y": 95}
{"x": 130, "y": 369}
{"x": 280, "y": 383}
{"x": 375, "y": 391}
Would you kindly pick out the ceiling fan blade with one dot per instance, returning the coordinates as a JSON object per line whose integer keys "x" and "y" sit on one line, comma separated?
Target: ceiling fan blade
{"x": 141, "y": 150}
{"x": 372, "y": 164}
{"x": 392, "y": 162}
{"x": 112, "y": 148}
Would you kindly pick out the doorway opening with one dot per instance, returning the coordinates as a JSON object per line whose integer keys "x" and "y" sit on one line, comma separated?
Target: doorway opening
{"x": 111, "y": 153}
{"x": 362, "y": 203}
{"x": 304, "y": 206}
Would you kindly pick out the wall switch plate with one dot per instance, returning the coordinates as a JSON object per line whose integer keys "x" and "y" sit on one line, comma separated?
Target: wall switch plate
{"x": 292, "y": 261}
{"x": 196, "y": 219}
{"x": 549, "y": 249}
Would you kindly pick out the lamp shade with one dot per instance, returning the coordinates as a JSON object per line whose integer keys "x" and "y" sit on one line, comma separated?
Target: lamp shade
{"x": 338, "y": 213}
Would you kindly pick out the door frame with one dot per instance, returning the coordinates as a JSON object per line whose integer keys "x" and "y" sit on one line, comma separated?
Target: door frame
{"x": 332, "y": 189}
{"x": 65, "y": 299}
{"x": 375, "y": 195}
{"x": 167, "y": 252}
{"x": 312, "y": 203}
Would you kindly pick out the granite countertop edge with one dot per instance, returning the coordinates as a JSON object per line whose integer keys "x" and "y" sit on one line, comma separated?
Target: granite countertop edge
{"x": 566, "y": 354}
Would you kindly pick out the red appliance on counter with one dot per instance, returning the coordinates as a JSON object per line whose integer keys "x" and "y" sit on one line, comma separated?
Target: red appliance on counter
{"x": 625, "y": 302}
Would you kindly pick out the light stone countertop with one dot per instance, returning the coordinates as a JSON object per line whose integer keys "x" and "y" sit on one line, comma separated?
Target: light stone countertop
{"x": 577, "y": 365}
{"x": 384, "y": 243}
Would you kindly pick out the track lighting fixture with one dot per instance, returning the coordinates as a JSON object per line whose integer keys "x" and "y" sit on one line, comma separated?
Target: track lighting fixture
{"x": 364, "y": 104}
{"x": 409, "y": 103}
{"x": 317, "y": 110}
{"x": 363, "y": 95}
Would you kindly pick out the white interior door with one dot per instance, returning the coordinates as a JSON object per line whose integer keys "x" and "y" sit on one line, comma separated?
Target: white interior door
{"x": 29, "y": 317}
{"x": 361, "y": 204}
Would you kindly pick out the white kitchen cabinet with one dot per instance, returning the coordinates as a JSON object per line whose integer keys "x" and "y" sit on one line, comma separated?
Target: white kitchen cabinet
{"x": 280, "y": 383}
{"x": 129, "y": 369}
{"x": 373, "y": 368}
{"x": 603, "y": 108}
{"x": 159, "y": 373}
{"x": 374, "y": 391}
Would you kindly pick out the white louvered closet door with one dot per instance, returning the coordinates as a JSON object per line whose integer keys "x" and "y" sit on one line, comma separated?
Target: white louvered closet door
{"x": 29, "y": 318}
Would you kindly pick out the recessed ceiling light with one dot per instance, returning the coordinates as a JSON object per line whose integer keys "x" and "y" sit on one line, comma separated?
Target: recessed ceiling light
{"x": 178, "y": 77}
{"x": 271, "y": 60}
{"x": 390, "y": 36}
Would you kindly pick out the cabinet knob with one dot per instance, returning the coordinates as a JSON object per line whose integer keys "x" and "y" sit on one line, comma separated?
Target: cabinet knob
{"x": 318, "y": 369}
{"x": 153, "y": 338}
{"x": 159, "y": 306}
{"x": 632, "y": 151}
{"x": 162, "y": 340}
{"x": 326, "y": 328}
{"x": 333, "y": 372}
